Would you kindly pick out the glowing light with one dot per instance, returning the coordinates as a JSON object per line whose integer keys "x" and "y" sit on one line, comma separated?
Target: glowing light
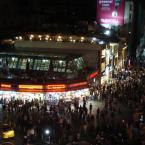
{"x": 47, "y": 132}
{"x": 30, "y": 87}
{"x": 46, "y": 38}
{"x": 20, "y": 38}
{"x": 59, "y": 86}
{"x": 31, "y": 37}
{"x": 107, "y": 32}
{"x": 82, "y": 38}
{"x": 5, "y": 85}
{"x": 94, "y": 39}
{"x": 101, "y": 42}
{"x": 59, "y": 38}
{"x": 78, "y": 84}
{"x": 74, "y": 41}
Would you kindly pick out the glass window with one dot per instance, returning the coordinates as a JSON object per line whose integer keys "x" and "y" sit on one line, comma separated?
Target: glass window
{"x": 45, "y": 64}
{"x": 70, "y": 67}
{"x": 30, "y": 61}
{"x": 12, "y": 62}
{"x": 37, "y": 64}
{"x": 23, "y": 64}
{"x": 1, "y": 62}
{"x": 79, "y": 63}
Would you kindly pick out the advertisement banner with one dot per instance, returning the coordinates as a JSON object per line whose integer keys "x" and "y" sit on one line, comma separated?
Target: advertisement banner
{"x": 110, "y": 12}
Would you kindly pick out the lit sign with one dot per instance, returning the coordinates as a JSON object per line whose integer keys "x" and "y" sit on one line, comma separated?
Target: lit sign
{"x": 30, "y": 90}
{"x": 30, "y": 87}
{"x": 110, "y": 12}
{"x": 59, "y": 86}
{"x": 5, "y": 85}
{"x": 93, "y": 75}
{"x": 78, "y": 84}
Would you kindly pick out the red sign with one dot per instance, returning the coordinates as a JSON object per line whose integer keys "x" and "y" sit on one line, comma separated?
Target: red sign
{"x": 93, "y": 75}
{"x": 78, "y": 84}
{"x": 110, "y": 12}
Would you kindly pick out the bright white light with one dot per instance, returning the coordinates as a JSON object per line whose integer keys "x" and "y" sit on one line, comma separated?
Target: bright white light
{"x": 101, "y": 42}
{"x": 114, "y": 14}
{"x": 47, "y": 132}
{"x": 31, "y": 36}
{"x": 17, "y": 38}
{"x": 20, "y": 38}
{"x": 82, "y": 38}
{"x": 107, "y": 32}
{"x": 59, "y": 37}
{"x": 74, "y": 41}
{"x": 107, "y": 71}
{"x": 46, "y": 38}
{"x": 94, "y": 39}
{"x": 39, "y": 36}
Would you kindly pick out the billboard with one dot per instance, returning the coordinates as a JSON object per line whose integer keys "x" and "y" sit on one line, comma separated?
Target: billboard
{"x": 110, "y": 12}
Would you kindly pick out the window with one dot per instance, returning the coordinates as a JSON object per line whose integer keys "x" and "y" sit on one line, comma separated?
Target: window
{"x": 23, "y": 64}
{"x": 30, "y": 62}
{"x": 79, "y": 63}
{"x": 12, "y": 62}
{"x": 37, "y": 64}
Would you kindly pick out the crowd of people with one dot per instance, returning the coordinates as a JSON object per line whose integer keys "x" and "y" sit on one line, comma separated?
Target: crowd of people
{"x": 71, "y": 123}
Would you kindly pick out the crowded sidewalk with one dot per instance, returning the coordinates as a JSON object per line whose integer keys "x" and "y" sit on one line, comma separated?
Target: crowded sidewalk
{"x": 110, "y": 123}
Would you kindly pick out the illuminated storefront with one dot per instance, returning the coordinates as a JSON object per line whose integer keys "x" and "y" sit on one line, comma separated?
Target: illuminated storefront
{"x": 50, "y": 93}
{"x": 109, "y": 62}
{"x": 49, "y": 96}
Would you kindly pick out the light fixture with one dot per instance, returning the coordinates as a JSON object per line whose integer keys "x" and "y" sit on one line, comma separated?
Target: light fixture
{"x": 31, "y": 36}
{"x": 47, "y": 132}
{"x": 101, "y": 42}
{"x": 20, "y": 38}
{"x": 60, "y": 61}
{"x": 94, "y": 39}
{"x": 59, "y": 38}
{"x": 74, "y": 40}
{"x": 82, "y": 39}
{"x": 46, "y": 38}
{"x": 16, "y": 38}
{"x": 107, "y": 32}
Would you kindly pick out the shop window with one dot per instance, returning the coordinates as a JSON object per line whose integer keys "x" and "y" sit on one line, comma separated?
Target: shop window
{"x": 37, "y": 64}
{"x": 30, "y": 61}
{"x": 79, "y": 63}
{"x": 102, "y": 66}
{"x": 103, "y": 53}
{"x": 12, "y": 62}
{"x": 24, "y": 63}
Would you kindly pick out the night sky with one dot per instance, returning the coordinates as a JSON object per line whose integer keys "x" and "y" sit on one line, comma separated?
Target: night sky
{"x": 84, "y": 9}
